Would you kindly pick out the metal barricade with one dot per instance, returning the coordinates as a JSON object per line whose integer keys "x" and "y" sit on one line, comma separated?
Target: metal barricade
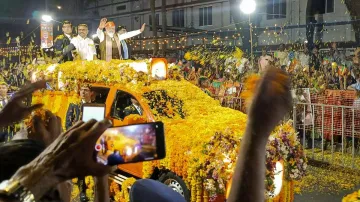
{"x": 329, "y": 133}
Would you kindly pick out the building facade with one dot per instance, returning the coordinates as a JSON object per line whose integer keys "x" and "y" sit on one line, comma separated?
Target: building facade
{"x": 192, "y": 22}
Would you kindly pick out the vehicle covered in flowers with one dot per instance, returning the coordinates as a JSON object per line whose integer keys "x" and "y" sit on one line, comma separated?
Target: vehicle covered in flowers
{"x": 202, "y": 138}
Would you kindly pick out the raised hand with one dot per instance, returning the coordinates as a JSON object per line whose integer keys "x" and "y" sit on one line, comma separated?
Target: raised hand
{"x": 143, "y": 28}
{"x": 70, "y": 155}
{"x": 45, "y": 132}
{"x": 272, "y": 100}
{"x": 15, "y": 110}
{"x": 102, "y": 23}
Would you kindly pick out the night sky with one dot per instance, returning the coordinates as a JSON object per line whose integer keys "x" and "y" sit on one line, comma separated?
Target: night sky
{"x": 14, "y": 15}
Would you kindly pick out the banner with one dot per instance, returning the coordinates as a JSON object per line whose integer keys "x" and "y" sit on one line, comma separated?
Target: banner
{"x": 47, "y": 35}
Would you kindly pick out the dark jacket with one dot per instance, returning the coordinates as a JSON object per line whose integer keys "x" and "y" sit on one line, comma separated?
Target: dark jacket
{"x": 73, "y": 115}
{"x": 60, "y": 43}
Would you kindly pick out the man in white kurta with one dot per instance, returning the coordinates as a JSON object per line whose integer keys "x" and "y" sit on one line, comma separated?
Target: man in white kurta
{"x": 110, "y": 41}
{"x": 83, "y": 45}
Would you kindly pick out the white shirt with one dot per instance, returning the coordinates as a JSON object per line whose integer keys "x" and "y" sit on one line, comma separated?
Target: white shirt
{"x": 85, "y": 47}
{"x": 127, "y": 35}
{"x": 68, "y": 36}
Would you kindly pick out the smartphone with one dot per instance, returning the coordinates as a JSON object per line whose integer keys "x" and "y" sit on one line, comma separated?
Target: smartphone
{"x": 131, "y": 144}
{"x": 93, "y": 111}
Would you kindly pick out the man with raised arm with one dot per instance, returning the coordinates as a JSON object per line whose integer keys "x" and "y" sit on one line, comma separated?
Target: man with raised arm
{"x": 110, "y": 41}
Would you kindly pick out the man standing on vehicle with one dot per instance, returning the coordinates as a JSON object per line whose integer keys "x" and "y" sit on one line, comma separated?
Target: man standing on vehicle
{"x": 110, "y": 41}
{"x": 83, "y": 45}
{"x": 63, "y": 40}
{"x": 125, "y": 47}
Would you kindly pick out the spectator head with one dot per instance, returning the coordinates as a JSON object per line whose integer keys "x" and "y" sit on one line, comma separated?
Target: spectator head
{"x": 306, "y": 49}
{"x": 3, "y": 89}
{"x": 203, "y": 82}
{"x": 145, "y": 189}
{"x": 83, "y": 30}
{"x": 86, "y": 93}
{"x": 264, "y": 51}
{"x": 333, "y": 46}
{"x": 315, "y": 50}
{"x": 67, "y": 27}
{"x": 282, "y": 47}
{"x": 15, "y": 154}
{"x": 180, "y": 63}
{"x": 121, "y": 29}
{"x": 110, "y": 27}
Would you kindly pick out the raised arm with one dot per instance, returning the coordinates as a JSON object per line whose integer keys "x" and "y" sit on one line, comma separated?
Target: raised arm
{"x": 271, "y": 102}
{"x": 99, "y": 31}
{"x": 132, "y": 33}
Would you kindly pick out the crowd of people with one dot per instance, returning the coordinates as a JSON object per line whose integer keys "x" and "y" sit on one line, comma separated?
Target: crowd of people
{"x": 307, "y": 68}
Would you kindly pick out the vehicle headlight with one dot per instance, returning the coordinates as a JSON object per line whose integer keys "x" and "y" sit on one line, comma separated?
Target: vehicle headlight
{"x": 278, "y": 177}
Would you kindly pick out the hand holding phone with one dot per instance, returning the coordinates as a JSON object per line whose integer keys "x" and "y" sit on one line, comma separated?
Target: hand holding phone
{"x": 93, "y": 111}
{"x": 131, "y": 144}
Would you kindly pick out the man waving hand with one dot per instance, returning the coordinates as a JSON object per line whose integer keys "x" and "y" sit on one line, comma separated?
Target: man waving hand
{"x": 110, "y": 41}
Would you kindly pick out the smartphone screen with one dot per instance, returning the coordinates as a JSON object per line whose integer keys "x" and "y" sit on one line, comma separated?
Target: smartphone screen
{"x": 93, "y": 111}
{"x": 131, "y": 144}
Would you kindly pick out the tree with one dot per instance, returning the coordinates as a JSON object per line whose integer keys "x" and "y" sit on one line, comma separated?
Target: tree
{"x": 154, "y": 27}
{"x": 164, "y": 25}
{"x": 353, "y": 7}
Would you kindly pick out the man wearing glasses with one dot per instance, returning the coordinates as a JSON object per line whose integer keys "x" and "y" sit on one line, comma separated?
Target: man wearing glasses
{"x": 63, "y": 40}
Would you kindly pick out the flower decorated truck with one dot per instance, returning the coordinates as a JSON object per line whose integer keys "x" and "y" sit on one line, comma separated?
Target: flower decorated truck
{"x": 202, "y": 138}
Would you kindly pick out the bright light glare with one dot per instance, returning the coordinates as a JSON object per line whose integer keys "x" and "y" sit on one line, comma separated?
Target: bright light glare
{"x": 278, "y": 177}
{"x": 129, "y": 151}
{"x": 59, "y": 7}
{"x": 248, "y": 6}
{"x": 159, "y": 70}
{"x": 46, "y": 18}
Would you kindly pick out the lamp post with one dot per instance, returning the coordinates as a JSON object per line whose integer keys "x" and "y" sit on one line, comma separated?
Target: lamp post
{"x": 46, "y": 18}
{"x": 248, "y": 7}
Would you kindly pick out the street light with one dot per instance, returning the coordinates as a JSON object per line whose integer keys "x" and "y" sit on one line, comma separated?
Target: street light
{"x": 248, "y": 7}
{"x": 59, "y": 7}
{"x": 46, "y": 18}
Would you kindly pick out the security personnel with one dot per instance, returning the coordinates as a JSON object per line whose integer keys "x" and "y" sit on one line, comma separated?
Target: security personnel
{"x": 63, "y": 40}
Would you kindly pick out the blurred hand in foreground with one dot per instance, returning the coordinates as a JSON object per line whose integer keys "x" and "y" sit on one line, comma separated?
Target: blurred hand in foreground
{"x": 272, "y": 100}
{"x": 45, "y": 131}
{"x": 15, "y": 110}
{"x": 70, "y": 155}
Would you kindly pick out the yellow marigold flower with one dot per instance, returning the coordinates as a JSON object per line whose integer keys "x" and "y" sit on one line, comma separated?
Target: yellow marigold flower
{"x": 187, "y": 56}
